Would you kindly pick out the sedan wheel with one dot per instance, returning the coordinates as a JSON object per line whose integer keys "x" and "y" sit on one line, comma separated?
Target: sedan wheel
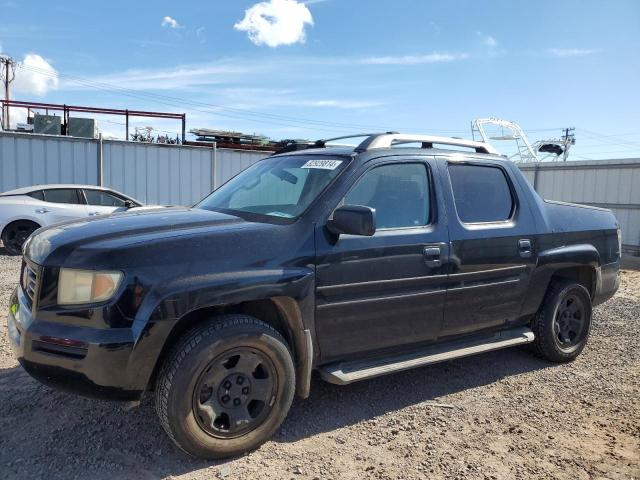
{"x": 16, "y": 233}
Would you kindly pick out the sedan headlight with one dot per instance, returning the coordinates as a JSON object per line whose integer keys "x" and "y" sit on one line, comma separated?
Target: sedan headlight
{"x": 619, "y": 242}
{"x": 86, "y": 286}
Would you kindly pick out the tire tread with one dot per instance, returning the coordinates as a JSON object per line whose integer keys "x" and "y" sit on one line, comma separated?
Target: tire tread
{"x": 539, "y": 325}
{"x": 191, "y": 339}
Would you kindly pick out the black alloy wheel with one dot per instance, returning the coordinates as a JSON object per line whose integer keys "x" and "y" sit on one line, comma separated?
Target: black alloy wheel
{"x": 569, "y": 322}
{"x": 235, "y": 393}
{"x": 562, "y": 325}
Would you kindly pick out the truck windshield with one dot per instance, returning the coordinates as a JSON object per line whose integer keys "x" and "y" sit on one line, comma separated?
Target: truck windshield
{"x": 278, "y": 187}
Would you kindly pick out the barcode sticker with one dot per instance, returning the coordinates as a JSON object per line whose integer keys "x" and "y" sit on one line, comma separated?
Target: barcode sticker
{"x": 322, "y": 164}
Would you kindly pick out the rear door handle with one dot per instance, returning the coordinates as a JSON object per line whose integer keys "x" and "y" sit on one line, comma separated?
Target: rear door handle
{"x": 432, "y": 256}
{"x": 524, "y": 246}
{"x": 94, "y": 213}
{"x": 42, "y": 210}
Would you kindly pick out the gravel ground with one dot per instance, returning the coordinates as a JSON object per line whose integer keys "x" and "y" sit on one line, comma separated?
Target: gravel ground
{"x": 499, "y": 415}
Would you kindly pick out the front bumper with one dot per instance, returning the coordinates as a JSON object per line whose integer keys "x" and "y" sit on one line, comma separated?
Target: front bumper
{"x": 89, "y": 361}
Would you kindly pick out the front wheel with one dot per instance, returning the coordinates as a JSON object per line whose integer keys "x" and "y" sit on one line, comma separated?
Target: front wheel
{"x": 226, "y": 387}
{"x": 563, "y": 323}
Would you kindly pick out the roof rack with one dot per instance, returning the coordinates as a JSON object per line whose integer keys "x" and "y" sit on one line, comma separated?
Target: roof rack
{"x": 296, "y": 146}
{"x": 389, "y": 139}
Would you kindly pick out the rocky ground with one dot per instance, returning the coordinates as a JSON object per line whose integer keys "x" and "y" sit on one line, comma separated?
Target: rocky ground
{"x": 498, "y": 415}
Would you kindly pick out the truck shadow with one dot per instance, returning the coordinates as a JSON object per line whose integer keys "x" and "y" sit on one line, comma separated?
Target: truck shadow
{"x": 331, "y": 407}
{"x": 42, "y": 429}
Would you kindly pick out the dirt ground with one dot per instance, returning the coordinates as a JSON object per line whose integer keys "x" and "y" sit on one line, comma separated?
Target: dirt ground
{"x": 499, "y": 415}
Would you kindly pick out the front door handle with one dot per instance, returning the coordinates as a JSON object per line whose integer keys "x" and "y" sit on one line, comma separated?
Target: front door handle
{"x": 432, "y": 256}
{"x": 94, "y": 213}
{"x": 524, "y": 247}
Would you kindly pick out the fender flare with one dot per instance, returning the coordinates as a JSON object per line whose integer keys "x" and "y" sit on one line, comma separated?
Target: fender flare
{"x": 580, "y": 255}
{"x": 551, "y": 261}
{"x": 290, "y": 290}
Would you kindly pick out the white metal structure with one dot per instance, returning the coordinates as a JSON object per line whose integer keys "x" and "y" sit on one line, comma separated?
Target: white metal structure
{"x": 527, "y": 152}
{"x": 509, "y": 131}
{"x": 26, "y": 209}
{"x": 387, "y": 140}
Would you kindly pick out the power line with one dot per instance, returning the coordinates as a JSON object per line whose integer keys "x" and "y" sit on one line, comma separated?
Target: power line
{"x": 220, "y": 110}
{"x": 284, "y": 120}
{"x": 244, "y": 114}
{"x": 605, "y": 139}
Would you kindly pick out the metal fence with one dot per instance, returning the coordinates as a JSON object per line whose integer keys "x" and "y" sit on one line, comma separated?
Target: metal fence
{"x": 153, "y": 173}
{"x": 182, "y": 175}
{"x": 158, "y": 174}
{"x": 613, "y": 184}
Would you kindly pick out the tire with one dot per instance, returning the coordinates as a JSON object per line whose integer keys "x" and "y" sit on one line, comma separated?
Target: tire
{"x": 203, "y": 405}
{"x": 563, "y": 323}
{"x": 15, "y": 234}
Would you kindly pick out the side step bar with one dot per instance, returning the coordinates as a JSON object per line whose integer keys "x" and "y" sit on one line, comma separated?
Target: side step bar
{"x": 342, "y": 373}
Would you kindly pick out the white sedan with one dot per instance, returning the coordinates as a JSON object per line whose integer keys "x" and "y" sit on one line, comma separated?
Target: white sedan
{"x": 24, "y": 210}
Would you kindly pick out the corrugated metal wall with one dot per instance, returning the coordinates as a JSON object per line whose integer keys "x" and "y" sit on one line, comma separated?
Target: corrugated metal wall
{"x": 152, "y": 173}
{"x": 231, "y": 162}
{"x": 27, "y": 160}
{"x": 158, "y": 174}
{"x": 613, "y": 184}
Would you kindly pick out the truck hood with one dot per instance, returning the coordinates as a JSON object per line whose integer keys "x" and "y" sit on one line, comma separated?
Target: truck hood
{"x": 56, "y": 244}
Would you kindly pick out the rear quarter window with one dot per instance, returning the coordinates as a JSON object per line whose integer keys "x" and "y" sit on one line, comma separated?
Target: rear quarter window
{"x": 38, "y": 195}
{"x": 481, "y": 193}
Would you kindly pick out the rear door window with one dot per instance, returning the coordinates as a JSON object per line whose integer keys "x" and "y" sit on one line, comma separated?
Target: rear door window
{"x": 481, "y": 193}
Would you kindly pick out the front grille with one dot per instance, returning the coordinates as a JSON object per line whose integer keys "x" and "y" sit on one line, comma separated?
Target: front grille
{"x": 29, "y": 281}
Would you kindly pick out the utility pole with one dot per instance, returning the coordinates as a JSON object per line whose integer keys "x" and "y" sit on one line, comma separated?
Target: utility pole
{"x": 568, "y": 139}
{"x": 8, "y": 74}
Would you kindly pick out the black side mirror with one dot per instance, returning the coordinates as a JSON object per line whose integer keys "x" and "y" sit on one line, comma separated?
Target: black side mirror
{"x": 353, "y": 220}
{"x": 129, "y": 204}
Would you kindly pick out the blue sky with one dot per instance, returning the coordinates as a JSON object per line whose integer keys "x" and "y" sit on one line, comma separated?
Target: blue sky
{"x": 341, "y": 66}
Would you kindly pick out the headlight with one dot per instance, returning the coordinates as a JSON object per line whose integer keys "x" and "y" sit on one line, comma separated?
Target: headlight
{"x": 86, "y": 286}
{"x": 619, "y": 242}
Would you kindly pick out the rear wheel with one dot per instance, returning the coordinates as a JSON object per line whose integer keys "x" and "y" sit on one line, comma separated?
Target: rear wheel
{"x": 16, "y": 233}
{"x": 226, "y": 387}
{"x": 563, "y": 323}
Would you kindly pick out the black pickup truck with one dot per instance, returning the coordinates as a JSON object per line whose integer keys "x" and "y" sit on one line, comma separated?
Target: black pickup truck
{"x": 351, "y": 262}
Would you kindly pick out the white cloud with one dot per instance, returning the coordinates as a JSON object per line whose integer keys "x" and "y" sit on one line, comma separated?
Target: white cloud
{"x": 200, "y": 34}
{"x": 574, "y": 52}
{"x": 170, "y": 22}
{"x": 17, "y": 115}
{"x": 34, "y": 75}
{"x": 489, "y": 41}
{"x": 276, "y": 22}
{"x": 415, "y": 59}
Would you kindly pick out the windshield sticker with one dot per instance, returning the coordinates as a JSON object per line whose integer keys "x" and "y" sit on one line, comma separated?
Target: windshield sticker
{"x": 322, "y": 164}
